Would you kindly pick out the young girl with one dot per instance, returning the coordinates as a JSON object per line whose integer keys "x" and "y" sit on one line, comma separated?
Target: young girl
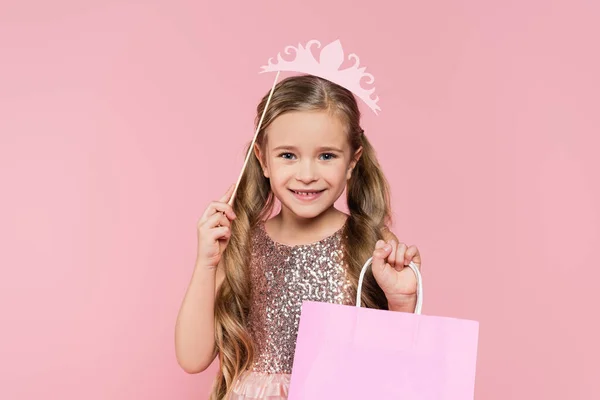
{"x": 253, "y": 271}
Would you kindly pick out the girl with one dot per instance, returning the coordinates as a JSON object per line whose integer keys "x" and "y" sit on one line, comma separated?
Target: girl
{"x": 253, "y": 272}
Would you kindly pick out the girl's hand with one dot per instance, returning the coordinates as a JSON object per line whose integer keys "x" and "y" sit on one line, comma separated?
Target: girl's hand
{"x": 214, "y": 231}
{"x": 397, "y": 282}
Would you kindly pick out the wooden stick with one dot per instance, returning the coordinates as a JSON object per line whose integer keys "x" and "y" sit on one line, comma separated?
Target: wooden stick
{"x": 251, "y": 149}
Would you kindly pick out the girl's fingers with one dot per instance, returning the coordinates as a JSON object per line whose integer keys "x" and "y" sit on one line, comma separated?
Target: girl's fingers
{"x": 227, "y": 194}
{"x": 392, "y": 258}
{"x": 220, "y": 232}
{"x": 216, "y": 207}
{"x": 379, "y": 256}
{"x": 225, "y": 199}
{"x": 412, "y": 254}
{"x": 382, "y": 271}
{"x": 217, "y": 219}
{"x": 400, "y": 256}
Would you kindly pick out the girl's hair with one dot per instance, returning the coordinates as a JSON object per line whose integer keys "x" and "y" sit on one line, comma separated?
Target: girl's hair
{"x": 368, "y": 204}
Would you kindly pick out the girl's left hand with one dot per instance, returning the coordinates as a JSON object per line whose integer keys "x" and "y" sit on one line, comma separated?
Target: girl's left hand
{"x": 397, "y": 282}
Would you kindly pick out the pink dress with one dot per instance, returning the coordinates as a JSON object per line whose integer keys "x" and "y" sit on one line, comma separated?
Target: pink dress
{"x": 283, "y": 276}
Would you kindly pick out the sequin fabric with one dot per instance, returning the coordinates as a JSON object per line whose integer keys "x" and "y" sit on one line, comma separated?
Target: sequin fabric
{"x": 283, "y": 276}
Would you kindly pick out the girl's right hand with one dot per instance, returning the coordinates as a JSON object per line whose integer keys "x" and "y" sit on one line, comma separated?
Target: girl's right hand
{"x": 214, "y": 231}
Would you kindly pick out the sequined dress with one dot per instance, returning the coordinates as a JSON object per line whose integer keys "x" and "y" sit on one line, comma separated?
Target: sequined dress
{"x": 283, "y": 276}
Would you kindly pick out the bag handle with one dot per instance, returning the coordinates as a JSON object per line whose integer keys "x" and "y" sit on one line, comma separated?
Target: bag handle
{"x": 412, "y": 266}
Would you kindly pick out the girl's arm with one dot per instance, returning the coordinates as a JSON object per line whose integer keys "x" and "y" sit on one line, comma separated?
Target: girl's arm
{"x": 195, "y": 329}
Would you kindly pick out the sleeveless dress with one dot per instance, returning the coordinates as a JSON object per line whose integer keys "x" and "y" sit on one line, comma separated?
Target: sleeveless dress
{"x": 283, "y": 276}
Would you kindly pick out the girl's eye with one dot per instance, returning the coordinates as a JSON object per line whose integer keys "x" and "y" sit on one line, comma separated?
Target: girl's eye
{"x": 329, "y": 155}
{"x": 289, "y": 156}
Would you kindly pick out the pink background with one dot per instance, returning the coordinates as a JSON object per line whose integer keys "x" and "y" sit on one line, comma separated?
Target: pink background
{"x": 121, "y": 120}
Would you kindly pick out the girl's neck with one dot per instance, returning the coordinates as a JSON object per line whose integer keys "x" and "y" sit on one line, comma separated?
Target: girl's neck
{"x": 286, "y": 228}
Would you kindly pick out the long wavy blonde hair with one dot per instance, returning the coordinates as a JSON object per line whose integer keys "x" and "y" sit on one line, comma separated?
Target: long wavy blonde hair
{"x": 368, "y": 205}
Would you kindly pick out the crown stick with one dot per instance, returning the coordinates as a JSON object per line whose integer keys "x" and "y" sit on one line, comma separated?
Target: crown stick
{"x": 254, "y": 139}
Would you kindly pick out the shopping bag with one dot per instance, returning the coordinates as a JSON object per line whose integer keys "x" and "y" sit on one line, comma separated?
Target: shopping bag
{"x": 351, "y": 352}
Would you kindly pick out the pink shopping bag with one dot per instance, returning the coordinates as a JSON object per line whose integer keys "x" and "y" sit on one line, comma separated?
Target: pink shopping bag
{"x": 347, "y": 352}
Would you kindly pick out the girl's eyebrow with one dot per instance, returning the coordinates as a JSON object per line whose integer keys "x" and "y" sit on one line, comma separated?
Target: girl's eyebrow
{"x": 322, "y": 148}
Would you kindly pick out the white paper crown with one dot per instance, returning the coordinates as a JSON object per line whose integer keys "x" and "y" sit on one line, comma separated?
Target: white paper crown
{"x": 330, "y": 60}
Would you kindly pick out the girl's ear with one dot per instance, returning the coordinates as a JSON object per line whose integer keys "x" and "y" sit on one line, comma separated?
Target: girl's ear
{"x": 259, "y": 155}
{"x": 355, "y": 158}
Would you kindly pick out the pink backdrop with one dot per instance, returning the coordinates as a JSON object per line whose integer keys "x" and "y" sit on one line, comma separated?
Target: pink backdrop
{"x": 120, "y": 121}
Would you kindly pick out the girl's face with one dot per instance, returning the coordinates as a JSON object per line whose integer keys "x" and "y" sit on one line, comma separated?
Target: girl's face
{"x": 308, "y": 160}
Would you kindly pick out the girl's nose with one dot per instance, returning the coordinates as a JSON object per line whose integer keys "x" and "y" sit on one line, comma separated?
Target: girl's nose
{"x": 306, "y": 172}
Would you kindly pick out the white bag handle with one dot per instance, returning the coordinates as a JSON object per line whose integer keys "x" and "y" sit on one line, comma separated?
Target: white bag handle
{"x": 412, "y": 266}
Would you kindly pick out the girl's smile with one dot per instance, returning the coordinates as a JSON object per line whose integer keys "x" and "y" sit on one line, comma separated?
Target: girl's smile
{"x": 307, "y": 195}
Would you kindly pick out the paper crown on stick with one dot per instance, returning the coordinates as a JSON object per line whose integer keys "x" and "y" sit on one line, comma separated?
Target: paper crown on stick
{"x": 331, "y": 58}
